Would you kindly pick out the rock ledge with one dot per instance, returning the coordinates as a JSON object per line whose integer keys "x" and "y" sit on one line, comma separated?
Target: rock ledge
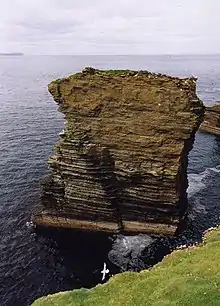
{"x": 211, "y": 123}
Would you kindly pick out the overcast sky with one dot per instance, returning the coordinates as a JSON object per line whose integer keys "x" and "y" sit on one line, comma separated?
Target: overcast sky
{"x": 110, "y": 27}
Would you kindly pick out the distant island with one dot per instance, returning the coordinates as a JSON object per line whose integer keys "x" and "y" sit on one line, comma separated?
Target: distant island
{"x": 11, "y": 54}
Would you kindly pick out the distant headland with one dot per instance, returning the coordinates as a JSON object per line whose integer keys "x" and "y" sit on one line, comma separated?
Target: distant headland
{"x": 12, "y": 54}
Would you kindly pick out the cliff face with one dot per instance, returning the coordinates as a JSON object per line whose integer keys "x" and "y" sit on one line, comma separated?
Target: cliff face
{"x": 121, "y": 163}
{"x": 211, "y": 123}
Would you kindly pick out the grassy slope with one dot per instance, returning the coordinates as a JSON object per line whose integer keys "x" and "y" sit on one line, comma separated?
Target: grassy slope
{"x": 185, "y": 277}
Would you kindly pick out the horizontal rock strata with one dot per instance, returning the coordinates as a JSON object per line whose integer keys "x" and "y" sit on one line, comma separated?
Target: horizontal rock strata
{"x": 121, "y": 163}
{"x": 211, "y": 123}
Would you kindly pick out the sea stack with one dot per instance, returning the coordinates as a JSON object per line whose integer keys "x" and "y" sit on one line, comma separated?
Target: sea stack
{"x": 211, "y": 123}
{"x": 121, "y": 163}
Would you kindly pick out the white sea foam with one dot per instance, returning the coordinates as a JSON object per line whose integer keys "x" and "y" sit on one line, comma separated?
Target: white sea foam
{"x": 197, "y": 182}
{"x": 132, "y": 243}
{"x": 30, "y": 224}
{"x": 128, "y": 248}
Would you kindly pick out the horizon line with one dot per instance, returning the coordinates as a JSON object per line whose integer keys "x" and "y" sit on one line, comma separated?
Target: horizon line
{"x": 150, "y": 54}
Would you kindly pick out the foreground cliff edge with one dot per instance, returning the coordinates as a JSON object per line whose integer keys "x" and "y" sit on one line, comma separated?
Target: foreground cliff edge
{"x": 185, "y": 277}
{"x": 121, "y": 163}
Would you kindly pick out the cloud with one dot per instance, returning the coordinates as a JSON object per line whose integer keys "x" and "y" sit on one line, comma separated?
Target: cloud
{"x": 113, "y": 27}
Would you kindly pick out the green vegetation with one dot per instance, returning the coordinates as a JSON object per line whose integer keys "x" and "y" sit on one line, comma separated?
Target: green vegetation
{"x": 118, "y": 72}
{"x": 186, "y": 277}
{"x": 92, "y": 71}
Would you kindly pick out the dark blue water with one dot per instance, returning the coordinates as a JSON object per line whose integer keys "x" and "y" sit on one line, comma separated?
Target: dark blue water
{"x": 32, "y": 265}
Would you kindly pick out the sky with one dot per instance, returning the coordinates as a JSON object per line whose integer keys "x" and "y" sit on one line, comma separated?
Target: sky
{"x": 110, "y": 27}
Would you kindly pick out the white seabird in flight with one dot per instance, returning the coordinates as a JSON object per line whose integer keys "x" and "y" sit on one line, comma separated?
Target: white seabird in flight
{"x": 104, "y": 271}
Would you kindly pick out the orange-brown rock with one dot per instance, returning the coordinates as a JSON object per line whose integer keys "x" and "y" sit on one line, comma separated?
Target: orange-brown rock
{"x": 211, "y": 123}
{"x": 121, "y": 163}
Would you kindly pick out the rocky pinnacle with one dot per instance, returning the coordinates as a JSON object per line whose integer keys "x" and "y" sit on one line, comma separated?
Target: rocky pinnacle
{"x": 121, "y": 163}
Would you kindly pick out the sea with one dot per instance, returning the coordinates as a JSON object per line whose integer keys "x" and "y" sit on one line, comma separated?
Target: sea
{"x": 36, "y": 263}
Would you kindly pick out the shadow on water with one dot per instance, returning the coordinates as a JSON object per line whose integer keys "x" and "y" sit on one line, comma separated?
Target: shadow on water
{"x": 54, "y": 260}
{"x": 81, "y": 255}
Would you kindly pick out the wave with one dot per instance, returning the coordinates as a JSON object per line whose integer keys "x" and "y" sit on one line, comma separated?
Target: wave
{"x": 197, "y": 182}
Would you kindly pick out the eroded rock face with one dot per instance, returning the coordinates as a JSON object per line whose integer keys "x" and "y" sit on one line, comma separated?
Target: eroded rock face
{"x": 121, "y": 163}
{"x": 211, "y": 123}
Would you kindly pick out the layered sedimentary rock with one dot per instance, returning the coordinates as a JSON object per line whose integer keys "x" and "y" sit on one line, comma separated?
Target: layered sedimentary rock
{"x": 121, "y": 163}
{"x": 211, "y": 123}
